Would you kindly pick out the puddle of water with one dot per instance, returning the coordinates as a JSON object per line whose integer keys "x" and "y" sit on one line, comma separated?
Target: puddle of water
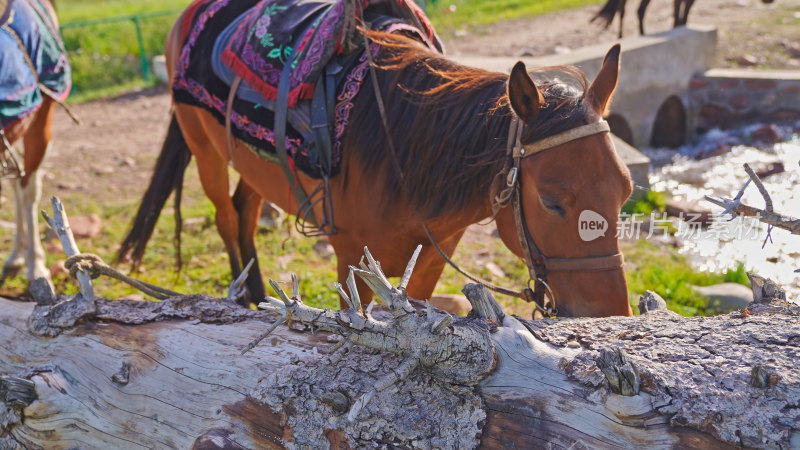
{"x": 724, "y": 244}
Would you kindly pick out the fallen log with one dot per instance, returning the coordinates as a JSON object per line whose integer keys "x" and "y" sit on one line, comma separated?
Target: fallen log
{"x": 171, "y": 374}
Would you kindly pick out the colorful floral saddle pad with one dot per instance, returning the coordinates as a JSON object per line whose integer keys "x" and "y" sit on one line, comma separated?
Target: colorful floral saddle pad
{"x": 312, "y": 31}
{"x": 32, "y": 58}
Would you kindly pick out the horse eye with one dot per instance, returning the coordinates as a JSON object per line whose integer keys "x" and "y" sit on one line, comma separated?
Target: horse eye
{"x": 553, "y": 206}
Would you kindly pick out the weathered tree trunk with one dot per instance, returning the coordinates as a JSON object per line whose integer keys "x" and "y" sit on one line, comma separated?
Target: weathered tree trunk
{"x": 170, "y": 374}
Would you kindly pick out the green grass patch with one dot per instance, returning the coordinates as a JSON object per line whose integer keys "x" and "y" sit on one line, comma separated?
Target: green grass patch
{"x": 663, "y": 270}
{"x": 448, "y": 16}
{"x": 652, "y": 201}
{"x": 106, "y": 57}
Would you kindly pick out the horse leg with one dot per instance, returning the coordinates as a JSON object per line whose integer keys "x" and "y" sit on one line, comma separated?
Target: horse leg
{"x": 248, "y": 205}
{"x": 213, "y": 171}
{"x": 37, "y": 142}
{"x": 676, "y": 13}
{"x": 687, "y": 5}
{"x": 29, "y": 196}
{"x": 16, "y": 259}
{"x": 621, "y": 10}
{"x": 642, "y": 8}
{"x": 423, "y": 280}
{"x": 430, "y": 265}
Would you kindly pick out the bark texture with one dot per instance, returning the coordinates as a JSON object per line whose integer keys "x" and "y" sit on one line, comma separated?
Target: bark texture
{"x": 171, "y": 374}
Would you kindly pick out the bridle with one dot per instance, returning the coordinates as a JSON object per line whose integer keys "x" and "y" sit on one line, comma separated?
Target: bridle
{"x": 539, "y": 265}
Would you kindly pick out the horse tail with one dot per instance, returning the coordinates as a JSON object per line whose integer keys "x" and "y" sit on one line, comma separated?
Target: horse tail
{"x": 607, "y": 13}
{"x": 167, "y": 177}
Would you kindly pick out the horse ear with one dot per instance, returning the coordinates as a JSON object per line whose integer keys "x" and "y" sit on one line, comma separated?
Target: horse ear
{"x": 523, "y": 94}
{"x": 602, "y": 88}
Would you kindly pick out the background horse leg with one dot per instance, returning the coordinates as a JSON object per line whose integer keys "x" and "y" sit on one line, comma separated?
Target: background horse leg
{"x": 16, "y": 259}
{"x": 27, "y": 192}
{"x": 687, "y": 5}
{"x": 248, "y": 205}
{"x": 28, "y": 197}
{"x": 621, "y": 10}
{"x": 642, "y": 8}
{"x": 676, "y": 13}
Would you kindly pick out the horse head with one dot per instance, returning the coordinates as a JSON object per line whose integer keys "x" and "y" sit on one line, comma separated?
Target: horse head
{"x": 570, "y": 196}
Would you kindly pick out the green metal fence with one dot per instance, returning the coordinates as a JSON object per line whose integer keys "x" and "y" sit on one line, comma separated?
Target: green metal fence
{"x": 112, "y": 54}
{"x": 115, "y": 51}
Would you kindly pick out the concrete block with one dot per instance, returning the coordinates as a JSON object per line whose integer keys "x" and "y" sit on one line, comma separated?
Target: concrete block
{"x": 637, "y": 163}
{"x": 654, "y": 68}
{"x": 159, "y": 67}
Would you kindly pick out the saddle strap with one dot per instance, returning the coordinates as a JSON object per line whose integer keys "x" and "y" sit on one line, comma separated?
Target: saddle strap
{"x": 281, "y": 112}
{"x": 228, "y": 111}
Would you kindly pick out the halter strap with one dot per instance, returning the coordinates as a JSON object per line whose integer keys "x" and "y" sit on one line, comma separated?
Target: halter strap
{"x": 523, "y": 151}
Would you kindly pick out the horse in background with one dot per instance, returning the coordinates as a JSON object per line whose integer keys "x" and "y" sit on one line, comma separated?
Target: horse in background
{"x": 612, "y": 8}
{"x": 451, "y": 131}
{"x": 34, "y": 77}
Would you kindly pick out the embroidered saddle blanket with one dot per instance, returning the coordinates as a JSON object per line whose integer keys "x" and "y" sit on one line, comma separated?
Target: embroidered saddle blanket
{"x": 312, "y": 31}
{"x": 32, "y": 58}
{"x": 199, "y": 81}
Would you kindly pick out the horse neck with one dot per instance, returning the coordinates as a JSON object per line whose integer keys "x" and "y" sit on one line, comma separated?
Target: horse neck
{"x": 450, "y": 142}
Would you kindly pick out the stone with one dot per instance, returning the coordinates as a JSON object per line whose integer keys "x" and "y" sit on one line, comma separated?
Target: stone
{"x": 689, "y": 211}
{"x": 792, "y": 48}
{"x": 740, "y": 101}
{"x": 697, "y": 83}
{"x": 651, "y": 301}
{"x": 126, "y": 161}
{"x": 766, "y": 134}
{"x": 58, "y": 268}
{"x": 86, "y": 226}
{"x": 759, "y": 84}
{"x": 729, "y": 83}
{"x": 725, "y": 297}
{"x": 83, "y": 227}
{"x": 452, "y": 303}
{"x": 719, "y": 150}
{"x": 271, "y": 215}
{"x": 324, "y": 249}
{"x": 746, "y": 60}
{"x": 764, "y": 289}
{"x": 495, "y": 270}
{"x": 772, "y": 168}
{"x": 103, "y": 170}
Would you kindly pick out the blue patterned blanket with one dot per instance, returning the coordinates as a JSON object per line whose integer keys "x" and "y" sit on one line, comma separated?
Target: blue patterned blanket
{"x": 32, "y": 56}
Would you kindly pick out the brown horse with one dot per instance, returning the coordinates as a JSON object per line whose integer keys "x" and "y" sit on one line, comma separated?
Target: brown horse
{"x": 33, "y": 130}
{"x": 449, "y": 128}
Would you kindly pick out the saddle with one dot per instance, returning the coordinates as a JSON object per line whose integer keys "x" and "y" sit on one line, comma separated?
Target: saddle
{"x": 285, "y": 73}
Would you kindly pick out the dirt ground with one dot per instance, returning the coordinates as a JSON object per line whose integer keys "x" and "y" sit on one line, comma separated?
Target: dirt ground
{"x": 768, "y": 32}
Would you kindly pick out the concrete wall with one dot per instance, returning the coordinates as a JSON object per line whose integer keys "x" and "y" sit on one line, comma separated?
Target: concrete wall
{"x": 654, "y": 68}
{"x": 724, "y": 98}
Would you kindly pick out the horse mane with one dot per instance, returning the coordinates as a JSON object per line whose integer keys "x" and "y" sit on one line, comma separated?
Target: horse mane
{"x": 449, "y": 123}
